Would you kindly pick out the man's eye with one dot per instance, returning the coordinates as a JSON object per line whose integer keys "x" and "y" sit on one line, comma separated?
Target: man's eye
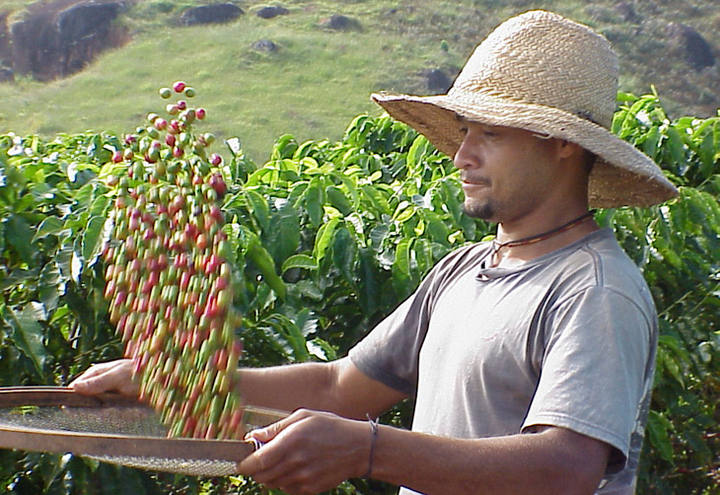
{"x": 463, "y": 130}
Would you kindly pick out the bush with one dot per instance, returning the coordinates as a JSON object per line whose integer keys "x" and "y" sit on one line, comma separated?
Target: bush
{"x": 328, "y": 237}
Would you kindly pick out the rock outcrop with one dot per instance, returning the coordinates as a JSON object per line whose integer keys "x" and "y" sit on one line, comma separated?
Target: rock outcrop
{"x": 210, "y": 14}
{"x": 59, "y": 38}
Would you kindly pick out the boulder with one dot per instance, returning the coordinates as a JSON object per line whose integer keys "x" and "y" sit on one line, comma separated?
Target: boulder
{"x": 264, "y": 46}
{"x": 627, "y": 12}
{"x": 85, "y": 20}
{"x": 6, "y": 74}
{"x": 271, "y": 11}
{"x": 210, "y": 14}
{"x": 691, "y": 45}
{"x": 340, "y": 22}
{"x": 437, "y": 81}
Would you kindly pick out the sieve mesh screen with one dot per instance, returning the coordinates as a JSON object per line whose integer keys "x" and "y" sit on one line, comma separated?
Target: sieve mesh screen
{"x": 115, "y": 430}
{"x": 194, "y": 467}
{"x": 136, "y": 420}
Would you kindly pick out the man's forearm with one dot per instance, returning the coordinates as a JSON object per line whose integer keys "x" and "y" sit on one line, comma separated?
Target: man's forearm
{"x": 556, "y": 461}
{"x": 289, "y": 387}
{"x": 337, "y": 387}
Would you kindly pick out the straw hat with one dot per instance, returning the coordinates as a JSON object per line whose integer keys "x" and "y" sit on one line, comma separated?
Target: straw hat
{"x": 544, "y": 73}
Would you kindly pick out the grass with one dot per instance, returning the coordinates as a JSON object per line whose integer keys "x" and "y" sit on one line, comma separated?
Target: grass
{"x": 317, "y": 80}
{"x": 311, "y": 87}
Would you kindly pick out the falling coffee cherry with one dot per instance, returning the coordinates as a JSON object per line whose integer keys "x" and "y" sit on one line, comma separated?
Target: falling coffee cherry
{"x": 168, "y": 278}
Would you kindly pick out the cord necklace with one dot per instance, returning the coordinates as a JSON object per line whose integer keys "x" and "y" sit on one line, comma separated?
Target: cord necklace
{"x": 497, "y": 246}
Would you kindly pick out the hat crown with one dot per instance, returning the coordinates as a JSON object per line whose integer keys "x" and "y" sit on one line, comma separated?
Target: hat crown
{"x": 544, "y": 59}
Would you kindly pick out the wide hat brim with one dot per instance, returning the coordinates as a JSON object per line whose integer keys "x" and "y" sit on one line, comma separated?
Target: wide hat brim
{"x": 621, "y": 176}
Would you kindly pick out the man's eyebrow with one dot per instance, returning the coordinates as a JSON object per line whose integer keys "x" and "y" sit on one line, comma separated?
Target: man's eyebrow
{"x": 466, "y": 121}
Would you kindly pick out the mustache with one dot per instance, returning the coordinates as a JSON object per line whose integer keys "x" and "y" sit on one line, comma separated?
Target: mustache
{"x": 474, "y": 179}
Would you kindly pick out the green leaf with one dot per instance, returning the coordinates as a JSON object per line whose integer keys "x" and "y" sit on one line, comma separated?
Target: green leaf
{"x": 338, "y": 199}
{"x": 51, "y": 226}
{"x": 322, "y": 349}
{"x": 323, "y": 239}
{"x": 284, "y": 147}
{"x": 377, "y": 200}
{"x": 404, "y": 212}
{"x": 401, "y": 278}
{"x": 676, "y": 147}
{"x": 28, "y": 335}
{"x": 344, "y": 252}
{"x": 652, "y": 139}
{"x": 291, "y": 334}
{"x": 265, "y": 263}
{"x": 19, "y": 234}
{"x": 369, "y": 293}
{"x": 706, "y": 152}
{"x": 417, "y": 150}
{"x": 423, "y": 256}
{"x": 299, "y": 261}
{"x": 314, "y": 202}
{"x": 378, "y": 235}
{"x": 657, "y": 427}
{"x": 258, "y": 207}
{"x": 51, "y": 286}
{"x": 98, "y": 231}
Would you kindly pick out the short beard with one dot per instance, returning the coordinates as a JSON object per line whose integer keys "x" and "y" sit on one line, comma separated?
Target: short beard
{"x": 483, "y": 211}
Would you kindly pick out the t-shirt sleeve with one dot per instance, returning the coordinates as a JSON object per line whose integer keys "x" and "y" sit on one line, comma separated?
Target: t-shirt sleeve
{"x": 389, "y": 353}
{"x": 594, "y": 368}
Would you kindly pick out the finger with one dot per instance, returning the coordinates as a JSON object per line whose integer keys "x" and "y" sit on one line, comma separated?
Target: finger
{"x": 93, "y": 370}
{"x": 303, "y": 481}
{"x": 269, "y": 432}
{"x": 105, "y": 377}
{"x": 267, "y": 459}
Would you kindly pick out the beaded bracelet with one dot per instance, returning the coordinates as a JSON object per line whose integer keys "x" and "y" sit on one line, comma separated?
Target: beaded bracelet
{"x": 373, "y": 439}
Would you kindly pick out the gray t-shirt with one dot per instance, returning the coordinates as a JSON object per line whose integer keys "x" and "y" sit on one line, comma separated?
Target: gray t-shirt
{"x": 567, "y": 339}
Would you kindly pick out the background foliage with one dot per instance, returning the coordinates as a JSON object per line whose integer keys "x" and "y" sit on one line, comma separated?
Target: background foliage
{"x": 328, "y": 237}
{"x": 319, "y": 79}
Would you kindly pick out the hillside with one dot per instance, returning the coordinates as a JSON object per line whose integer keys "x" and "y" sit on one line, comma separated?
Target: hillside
{"x": 309, "y": 78}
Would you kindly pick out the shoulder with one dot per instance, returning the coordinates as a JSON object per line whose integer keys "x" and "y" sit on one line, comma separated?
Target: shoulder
{"x": 600, "y": 259}
{"x": 612, "y": 268}
{"x": 597, "y": 264}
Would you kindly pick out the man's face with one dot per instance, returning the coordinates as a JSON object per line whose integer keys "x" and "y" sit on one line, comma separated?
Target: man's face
{"x": 505, "y": 172}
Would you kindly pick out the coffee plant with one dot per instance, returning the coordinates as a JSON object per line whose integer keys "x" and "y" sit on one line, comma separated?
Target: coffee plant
{"x": 325, "y": 239}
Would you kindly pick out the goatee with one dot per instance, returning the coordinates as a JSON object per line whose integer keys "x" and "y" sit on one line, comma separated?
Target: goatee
{"x": 481, "y": 210}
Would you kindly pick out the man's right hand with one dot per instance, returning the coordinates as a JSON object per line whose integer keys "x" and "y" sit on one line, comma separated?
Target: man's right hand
{"x": 113, "y": 376}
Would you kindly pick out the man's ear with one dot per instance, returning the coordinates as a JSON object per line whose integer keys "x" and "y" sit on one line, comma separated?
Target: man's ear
{"x": 568, "y": 149}
{"x": 575, "y": 154}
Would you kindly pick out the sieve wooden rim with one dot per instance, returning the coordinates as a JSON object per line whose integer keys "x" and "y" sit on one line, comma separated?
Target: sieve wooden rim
{"x": 111, "y": 445}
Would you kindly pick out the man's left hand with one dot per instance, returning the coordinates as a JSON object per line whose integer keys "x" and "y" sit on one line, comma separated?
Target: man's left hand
{"x": 309, "y": 452}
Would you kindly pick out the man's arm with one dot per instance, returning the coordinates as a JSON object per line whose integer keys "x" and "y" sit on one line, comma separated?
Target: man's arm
{"x": 338, "y": 386}
{"x": 554, "y": 461}
{"x": 310, "y": 452}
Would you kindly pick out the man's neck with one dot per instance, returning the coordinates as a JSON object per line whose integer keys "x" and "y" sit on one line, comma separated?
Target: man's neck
{"x": 543, "y": 236}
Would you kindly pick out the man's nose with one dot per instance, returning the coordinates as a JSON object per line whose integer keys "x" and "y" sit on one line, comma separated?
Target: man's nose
{"x": 464, "y": 157}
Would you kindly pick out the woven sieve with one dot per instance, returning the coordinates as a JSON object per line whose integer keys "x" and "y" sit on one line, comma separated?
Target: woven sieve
{"x": 115, "y": 429}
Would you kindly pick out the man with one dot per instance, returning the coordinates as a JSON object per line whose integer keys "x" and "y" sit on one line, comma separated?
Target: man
{"x": 530, "y": 358}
